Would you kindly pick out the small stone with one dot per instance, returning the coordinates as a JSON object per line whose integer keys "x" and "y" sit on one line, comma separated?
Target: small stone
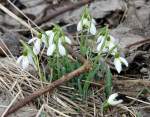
{"x": 11, "y": 40}
{"x": 143, "y": 70}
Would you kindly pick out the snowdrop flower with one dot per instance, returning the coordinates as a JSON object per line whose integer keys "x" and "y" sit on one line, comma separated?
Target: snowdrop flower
{"x": 57, "y": 44}
{"x": 118, "y": 63}
{"x": 89, "y": 24}
{"x": 106, "y": 45}
{"x": 113, "y": 101}
{"x": 48, "y": 35}
{"x": 25, "y": 60}
{"x": 67, "y": 40}
{"x": 52, "y": 45}
{"x": 37, "y": 44}
{"x": 61, "y": 48}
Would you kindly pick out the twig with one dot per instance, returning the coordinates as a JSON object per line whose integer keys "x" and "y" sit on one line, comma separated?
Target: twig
{"x": 62, "y": 10}
{"x": 144, "y": 102}
{"x": 50, "y": 108}
{"x": 39, "y": 112}
{"x": 75, "y": 54}
{"x": 137, "y": 43}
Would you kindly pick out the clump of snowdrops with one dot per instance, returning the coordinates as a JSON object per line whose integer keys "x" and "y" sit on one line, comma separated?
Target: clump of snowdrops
{"x": 53, "y": 42}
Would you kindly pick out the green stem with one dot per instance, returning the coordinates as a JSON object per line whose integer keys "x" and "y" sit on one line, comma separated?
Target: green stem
{"x": 39, "y": 69}
{"x": 58, "y": 66}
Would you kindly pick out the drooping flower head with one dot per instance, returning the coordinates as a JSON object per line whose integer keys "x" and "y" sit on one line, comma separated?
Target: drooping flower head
{"x": 46, "y": 36}
{"x": 87, "y": 22}
{"x": 26, "y": 58}
{"x": 37, "y": 42}
{"x": 118, "y": 62}
{"x": 113, "y": 99}
{"x": 106, "y": 43}
{"x": 56, "y": 40}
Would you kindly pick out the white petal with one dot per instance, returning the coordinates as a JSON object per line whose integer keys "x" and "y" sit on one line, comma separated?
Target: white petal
{"x": 51, "y": 35}
{"x": 44, "y": 38}
{"x": 117, "y": 64}
{"x": 92, "y": 29}
{"x": 25, "y": 62}
{"x": 99, "y": 46}
{"x": 93, "y": 21}
{"x": 123, "y": 60}
{"x": 111, "y": 45}
{"x": 48, "y": 33}
{"x": 32, "y": 40}
{"x": 100, "y": 38}
{"x": 112, "y": 39}
{"x": 114, "y": 103}
{"x": 112, "y": 96}
{"x": 67, "y": 40}
{"x": 51, "y": 38}
{"x": 79, "y": 26}
{"x": 61, "y": 49}
{"x": 30, "y": 59}
{"x": 59, "y": 41}
{"x": 19, "y": 60}
{"x": 112, "y": 100}
{"x": 37, "y": 47}
{"x": 105, "y": 50}
{"x": 51, "y": 49}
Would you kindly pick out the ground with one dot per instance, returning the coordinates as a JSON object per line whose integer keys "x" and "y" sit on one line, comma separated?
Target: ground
{"x": 129, "y": 23}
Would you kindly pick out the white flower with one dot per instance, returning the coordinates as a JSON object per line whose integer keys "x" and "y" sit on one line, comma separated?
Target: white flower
{"x": 37, "y": 44}
{"x": 118, "y": 63}
{"x": 51, "y": 49}
{"x": 59, "y": 45}
{"x": 79, "y": 26}
{"x": 67, "y": 40}
{"x": 51, "y": 35}
{"x": 61, "y": 48}
{"x": 24, "y": 61}
{"x": 47, "y": 36}
{"x": 90, "y": 24}
{"x": 106, "y": 45}
{"x": 92, "y": 29}
{"x": 113, "y": 101}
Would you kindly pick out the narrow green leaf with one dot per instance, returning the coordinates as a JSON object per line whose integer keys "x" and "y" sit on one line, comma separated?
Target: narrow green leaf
{"x": 108, "y": 83}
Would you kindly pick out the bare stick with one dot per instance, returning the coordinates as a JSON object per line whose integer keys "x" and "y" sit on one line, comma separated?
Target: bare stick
{"x": 138, "y": 100}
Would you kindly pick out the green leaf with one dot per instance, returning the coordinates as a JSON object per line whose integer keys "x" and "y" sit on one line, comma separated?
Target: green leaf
{"x": 108, "y": 83}
{"x": 89, "y": 78}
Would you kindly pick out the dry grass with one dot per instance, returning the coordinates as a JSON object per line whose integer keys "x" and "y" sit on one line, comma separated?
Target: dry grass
{"x": 18, "y": 84}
